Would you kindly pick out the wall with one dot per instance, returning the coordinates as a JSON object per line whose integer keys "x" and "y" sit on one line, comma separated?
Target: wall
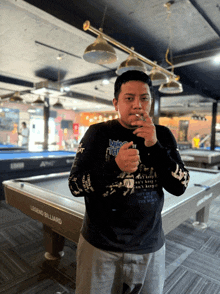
{"x": 86, "y": 119}
{"x": 195, "y": 126}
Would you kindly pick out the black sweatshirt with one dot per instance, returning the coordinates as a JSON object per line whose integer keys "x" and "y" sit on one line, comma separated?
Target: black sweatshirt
{"x": 123, "y": 211}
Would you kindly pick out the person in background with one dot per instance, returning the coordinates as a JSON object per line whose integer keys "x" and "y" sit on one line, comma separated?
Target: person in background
{"x": 25, "y": 135}
{"x": 196, "y": 141}
{"x": 121, "y": 168}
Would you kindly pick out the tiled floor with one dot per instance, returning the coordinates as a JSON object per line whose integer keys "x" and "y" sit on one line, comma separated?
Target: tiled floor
{"x": 196, "y": 268}
{"x": 192, "y": 257}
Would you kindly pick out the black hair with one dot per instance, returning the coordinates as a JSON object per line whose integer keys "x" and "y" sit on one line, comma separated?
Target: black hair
{"x": 24, "y": 123}
{"x": 130, "y": 75}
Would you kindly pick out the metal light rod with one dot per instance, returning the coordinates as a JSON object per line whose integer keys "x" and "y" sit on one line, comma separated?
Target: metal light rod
{"x": 87, "y": 26}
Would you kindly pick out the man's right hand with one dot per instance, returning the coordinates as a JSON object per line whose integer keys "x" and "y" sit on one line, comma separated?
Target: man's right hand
{"x": 128, "y": 158}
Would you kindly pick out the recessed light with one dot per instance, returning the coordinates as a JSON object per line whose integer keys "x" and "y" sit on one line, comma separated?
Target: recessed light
{"x": 105, "y": 82}
{"x": 217, "y": 59}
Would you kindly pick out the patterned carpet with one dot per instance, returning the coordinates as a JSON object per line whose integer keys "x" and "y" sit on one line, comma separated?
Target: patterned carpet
{"x": 192, "y": 257}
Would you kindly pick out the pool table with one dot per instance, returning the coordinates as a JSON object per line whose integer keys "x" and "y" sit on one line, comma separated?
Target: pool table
{"x": 6, "y": 147}
{"x": 22, "y": 163}
{"x": 200, "y": 158}
{"x": 48, "y": 200}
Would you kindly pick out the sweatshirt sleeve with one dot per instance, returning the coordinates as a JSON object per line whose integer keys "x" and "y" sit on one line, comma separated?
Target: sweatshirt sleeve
{"x": 90, "y": 173}
{"x": 167, "y": 162}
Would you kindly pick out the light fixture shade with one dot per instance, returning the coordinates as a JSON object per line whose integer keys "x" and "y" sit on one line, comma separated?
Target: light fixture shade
{"x": 16, "y": 98}
{"x": 38, "y": 102}
{"x": 172, "y": 87}
{"x": 158, "y": 77}
{"x": 100, "y": 52}
{"x": 131, "y": 63}
{"x": 58, "y": 105}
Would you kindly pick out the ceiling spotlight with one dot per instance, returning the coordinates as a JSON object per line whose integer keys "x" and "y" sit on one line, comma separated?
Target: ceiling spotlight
{"x": 32, "y": 110}
{"x": 38, "y": 102}
{"x": 60, "y": 57}
{"x": 158, "y": 77}
{"x": 172, "y": 87}
{"x": 131, "y": 63}
{"x": 105, "y": 82}
{"x": 100, "y": 52}
{"x": 217, "y": 59}
{"x": 198, "y": 117}
{"x": 16, "y": 98}
{"x": 58, "y": 105}
{"x": 66, "y": 89}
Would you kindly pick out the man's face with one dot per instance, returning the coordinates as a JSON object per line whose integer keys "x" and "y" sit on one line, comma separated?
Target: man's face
{"x": 134, "y": 98}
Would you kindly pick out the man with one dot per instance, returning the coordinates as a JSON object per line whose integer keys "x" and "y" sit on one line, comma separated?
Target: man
{"x": 196, "y": 141}
{"x": 120, "y": 168}
{"x": 25, "y": 135}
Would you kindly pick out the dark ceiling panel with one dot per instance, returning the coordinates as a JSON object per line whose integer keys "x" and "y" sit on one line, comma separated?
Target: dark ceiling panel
{"x": 51, "y": 73}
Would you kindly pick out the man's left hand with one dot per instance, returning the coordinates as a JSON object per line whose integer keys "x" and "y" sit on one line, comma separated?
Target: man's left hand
{"x": 145, "y": 129}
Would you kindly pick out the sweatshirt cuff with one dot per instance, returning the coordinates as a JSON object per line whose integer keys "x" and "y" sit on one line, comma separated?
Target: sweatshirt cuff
{"x": 155, "y": 149}
{"x": 160, "y": 156}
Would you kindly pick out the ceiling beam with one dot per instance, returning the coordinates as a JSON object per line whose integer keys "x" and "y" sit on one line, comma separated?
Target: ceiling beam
{"x": 90, "y": 78}
{"x": 16, "y": 82}
{"x": 57, "y": 49}
{"x": 204, "y": 15}
{"x": 193, "y": 58}
{"x": 85, "y": 97}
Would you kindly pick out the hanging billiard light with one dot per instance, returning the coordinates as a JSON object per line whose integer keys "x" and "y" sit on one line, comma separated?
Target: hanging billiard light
{"x": 16, "y": 98}
{"x": 58, "y": 104}
{"x": 100, "y": 52}
{"x": 172, "y": 87}
{"x": 38, "y": 102}
{"x": 158, "y": 77}
{"x": 131, "y": 63}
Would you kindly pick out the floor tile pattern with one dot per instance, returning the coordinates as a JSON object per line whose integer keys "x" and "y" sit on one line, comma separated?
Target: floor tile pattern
{"x": 192, "y": 257}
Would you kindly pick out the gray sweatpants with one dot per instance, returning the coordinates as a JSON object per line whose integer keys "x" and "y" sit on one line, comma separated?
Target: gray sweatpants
{"x": 106, "y": 272}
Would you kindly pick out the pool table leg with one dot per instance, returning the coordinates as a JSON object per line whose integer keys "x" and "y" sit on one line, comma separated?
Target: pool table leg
{"x": 53, "y": 243}
{"x": 203, "y": 214}
{"x": 202, "y": 217}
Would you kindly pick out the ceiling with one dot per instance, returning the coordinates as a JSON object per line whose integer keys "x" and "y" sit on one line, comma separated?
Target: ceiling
{"x": 35, "y": 33}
